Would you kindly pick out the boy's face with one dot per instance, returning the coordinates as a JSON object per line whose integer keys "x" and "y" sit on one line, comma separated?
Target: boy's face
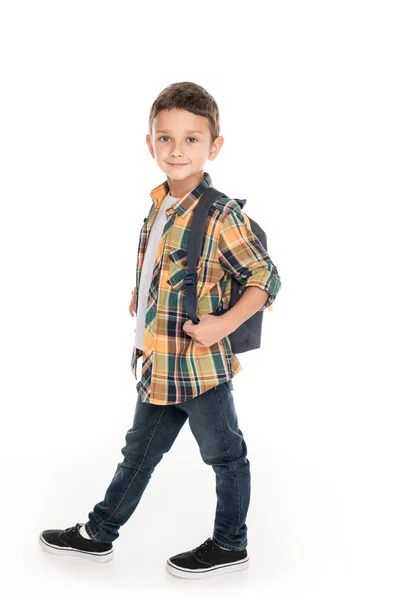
{"x": 181, "y": 137}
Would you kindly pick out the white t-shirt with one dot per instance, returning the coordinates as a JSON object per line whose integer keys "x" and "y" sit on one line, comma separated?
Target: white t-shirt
{"x": 148, "y": 266}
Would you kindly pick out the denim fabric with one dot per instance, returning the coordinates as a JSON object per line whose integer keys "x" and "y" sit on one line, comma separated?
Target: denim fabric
{"x": 214, "y": 424}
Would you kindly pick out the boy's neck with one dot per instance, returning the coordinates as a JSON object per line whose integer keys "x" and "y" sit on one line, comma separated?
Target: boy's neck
{"x": 179, "y": 188}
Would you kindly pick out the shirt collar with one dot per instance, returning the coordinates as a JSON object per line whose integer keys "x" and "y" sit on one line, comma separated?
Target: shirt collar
{"x": 187, "y": 202}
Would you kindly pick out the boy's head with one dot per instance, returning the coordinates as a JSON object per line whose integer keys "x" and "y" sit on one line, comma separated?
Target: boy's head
{"x": 184, "y": 130}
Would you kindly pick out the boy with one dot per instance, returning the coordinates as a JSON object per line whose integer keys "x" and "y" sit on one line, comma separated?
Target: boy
{"x": 186, "y": 369}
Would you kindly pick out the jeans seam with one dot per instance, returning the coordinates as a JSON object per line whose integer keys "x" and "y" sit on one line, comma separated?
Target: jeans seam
{"x": 233, "y": 462}
{"x": 227, "y": 545}
{"x": 134, "y": 477}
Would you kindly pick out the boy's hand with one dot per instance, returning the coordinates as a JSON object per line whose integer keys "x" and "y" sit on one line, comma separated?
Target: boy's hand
{"x": 132, "y": 306}
{"x": 210, "y": 330}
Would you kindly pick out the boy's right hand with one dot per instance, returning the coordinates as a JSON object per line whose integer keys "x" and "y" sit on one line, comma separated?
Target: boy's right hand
{"x": 132, "y": 306}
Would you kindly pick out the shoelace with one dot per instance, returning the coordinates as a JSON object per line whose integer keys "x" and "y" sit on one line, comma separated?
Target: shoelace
{"x": 204, "y": 547}
{"x": 73, "y": 529}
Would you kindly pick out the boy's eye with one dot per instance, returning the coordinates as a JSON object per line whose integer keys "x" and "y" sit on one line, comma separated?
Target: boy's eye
{"x": 166, "y": 136}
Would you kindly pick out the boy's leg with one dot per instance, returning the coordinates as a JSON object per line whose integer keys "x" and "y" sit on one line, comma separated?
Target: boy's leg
{"x": 213, "y": 421}
{"x": 153, "y": 432}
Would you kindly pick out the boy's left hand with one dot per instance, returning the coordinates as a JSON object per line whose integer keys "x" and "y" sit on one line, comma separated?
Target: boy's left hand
{"x": 209, "y": 331}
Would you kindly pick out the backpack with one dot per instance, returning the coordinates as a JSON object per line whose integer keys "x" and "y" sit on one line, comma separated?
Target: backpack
{"x": 248, "y": 335}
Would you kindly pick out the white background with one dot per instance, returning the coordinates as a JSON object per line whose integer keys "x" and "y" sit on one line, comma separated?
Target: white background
{"x": 309, "y": 100}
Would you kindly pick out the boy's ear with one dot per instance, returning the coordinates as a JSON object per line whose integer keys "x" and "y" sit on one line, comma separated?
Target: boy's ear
{"x": 215, "y": 147}
{"x": 150, "y": 145}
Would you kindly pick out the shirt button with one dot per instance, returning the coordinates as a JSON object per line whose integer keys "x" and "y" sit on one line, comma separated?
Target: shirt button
{"x": 184, "y": 264}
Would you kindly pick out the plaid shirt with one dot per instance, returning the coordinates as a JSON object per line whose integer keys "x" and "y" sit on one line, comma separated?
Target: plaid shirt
{"x": 174, "y": 368}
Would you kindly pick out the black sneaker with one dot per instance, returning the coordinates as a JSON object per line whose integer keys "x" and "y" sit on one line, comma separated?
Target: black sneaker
{"x": 206, "y": 560}
{"x": 71, "y": 543}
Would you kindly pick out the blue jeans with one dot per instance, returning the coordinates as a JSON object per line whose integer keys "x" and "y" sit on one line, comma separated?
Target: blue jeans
{"x": 213, "y": 422}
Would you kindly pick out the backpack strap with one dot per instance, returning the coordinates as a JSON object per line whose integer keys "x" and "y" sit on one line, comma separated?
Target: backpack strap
{"x": 195, "y": 248}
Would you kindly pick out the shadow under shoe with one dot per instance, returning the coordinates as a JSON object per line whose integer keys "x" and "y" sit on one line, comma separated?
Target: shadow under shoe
{"x": 70, "y": 542}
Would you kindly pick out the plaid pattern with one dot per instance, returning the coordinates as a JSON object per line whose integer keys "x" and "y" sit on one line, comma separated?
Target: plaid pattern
{"x": 174, "y": 368}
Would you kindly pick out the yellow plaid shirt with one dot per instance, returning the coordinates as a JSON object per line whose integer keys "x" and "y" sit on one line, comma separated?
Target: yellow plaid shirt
{"x": 174, "y": 367}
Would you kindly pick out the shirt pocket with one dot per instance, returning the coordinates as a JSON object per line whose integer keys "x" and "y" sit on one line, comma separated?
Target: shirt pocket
{"x": 177, "y": 268}
{"x": 209, "y": 272}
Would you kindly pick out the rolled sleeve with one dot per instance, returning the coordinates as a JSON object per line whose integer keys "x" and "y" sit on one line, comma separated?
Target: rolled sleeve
{"x": 243, "y": 256}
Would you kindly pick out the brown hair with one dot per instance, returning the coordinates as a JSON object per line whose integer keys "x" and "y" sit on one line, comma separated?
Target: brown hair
{"x": 191, "y": 97}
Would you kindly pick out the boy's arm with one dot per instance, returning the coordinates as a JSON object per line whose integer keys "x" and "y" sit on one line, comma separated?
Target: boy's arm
{"x": 252, "y": 300}
{"x": 242, "y": 255}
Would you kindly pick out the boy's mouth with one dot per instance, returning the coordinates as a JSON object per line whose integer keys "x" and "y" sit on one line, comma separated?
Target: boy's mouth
{"x": 178, "y": 164}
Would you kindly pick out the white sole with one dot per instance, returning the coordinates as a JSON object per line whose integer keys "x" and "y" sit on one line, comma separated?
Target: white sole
{"x": 94, "y": 556}
{"x": 201, "y": 573}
